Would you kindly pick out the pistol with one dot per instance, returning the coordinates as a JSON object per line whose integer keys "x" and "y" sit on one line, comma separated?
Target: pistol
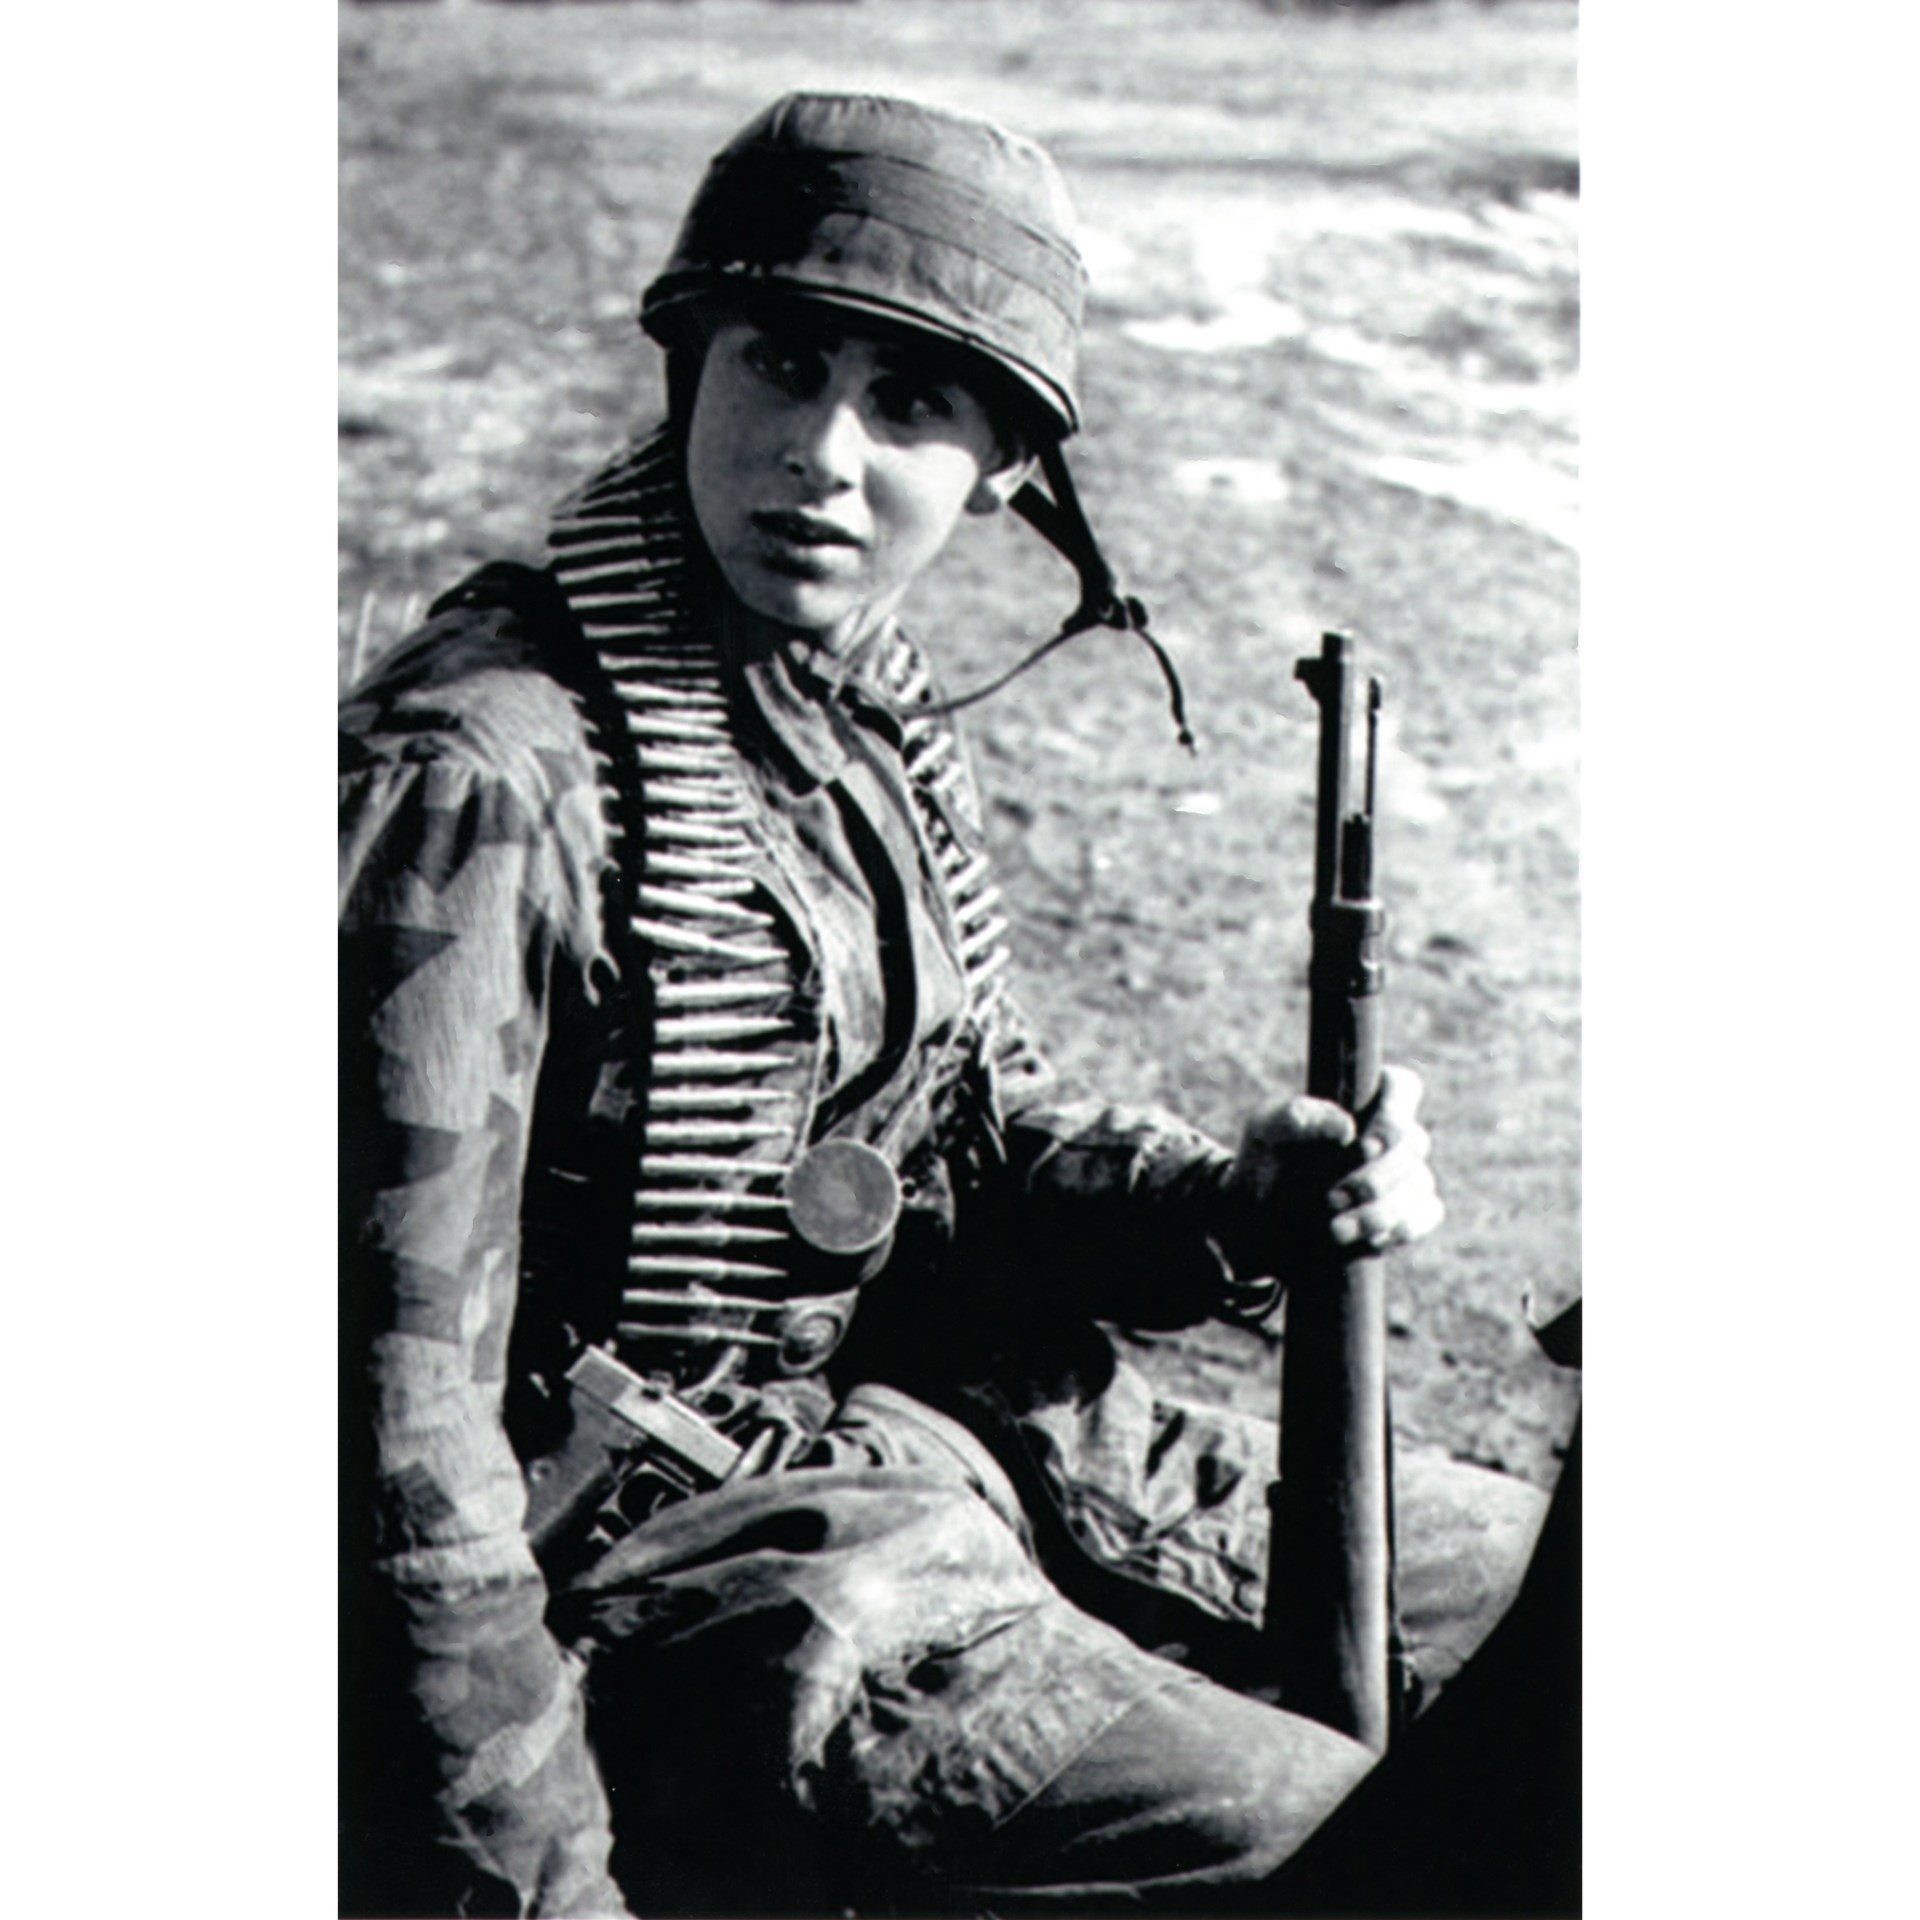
{"x": 634, "y": 1448}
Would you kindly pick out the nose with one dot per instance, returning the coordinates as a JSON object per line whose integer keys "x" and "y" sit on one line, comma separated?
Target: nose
{"x": 826, "y": 443}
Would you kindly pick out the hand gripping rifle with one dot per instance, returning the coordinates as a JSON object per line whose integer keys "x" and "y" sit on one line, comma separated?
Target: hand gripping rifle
{"x": 1329, "y": 1599}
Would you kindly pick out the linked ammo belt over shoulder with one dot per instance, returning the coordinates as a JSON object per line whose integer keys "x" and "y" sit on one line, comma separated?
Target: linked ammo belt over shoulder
{"x": 747, "y": 1234}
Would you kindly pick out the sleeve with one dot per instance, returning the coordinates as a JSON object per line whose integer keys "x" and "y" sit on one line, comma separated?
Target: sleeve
{"x": 1117, "y": 1201}
{"x": 465, "y": 1759}
{"x": 1113, "y": 1205}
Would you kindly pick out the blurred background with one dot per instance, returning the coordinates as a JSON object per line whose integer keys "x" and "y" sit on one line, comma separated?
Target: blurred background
{"x": 1329, "y": 376}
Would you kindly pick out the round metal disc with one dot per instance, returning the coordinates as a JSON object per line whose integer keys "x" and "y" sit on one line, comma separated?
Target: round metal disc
{"x": 843, "y": 1197}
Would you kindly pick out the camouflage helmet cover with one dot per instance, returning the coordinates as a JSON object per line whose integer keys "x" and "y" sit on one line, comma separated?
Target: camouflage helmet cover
{"x": 932, "y": 219}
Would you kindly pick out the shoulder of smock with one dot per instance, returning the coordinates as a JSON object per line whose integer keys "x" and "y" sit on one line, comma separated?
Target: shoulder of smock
{"x": 473, "y": 689}
{"x": 469, "y": 716}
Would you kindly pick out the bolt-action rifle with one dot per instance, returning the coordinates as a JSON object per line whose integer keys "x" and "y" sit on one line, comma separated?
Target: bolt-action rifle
{"x": 1329, "y": 1602}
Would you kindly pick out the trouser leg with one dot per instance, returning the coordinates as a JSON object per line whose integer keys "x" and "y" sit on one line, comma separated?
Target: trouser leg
{"x": 1148, "y": 1504}
{"x": 1477, "y": 1809}
{"x": 857, "y": 1691}
{"x": 1033, "y": 1761}
{"x": 1195, "y": 1789}
{"x": 1463, "y": 1539}
{"x": 1199, "y": 1801}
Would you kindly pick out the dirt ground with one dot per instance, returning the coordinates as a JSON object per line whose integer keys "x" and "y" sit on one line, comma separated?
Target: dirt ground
{"x": 1330, "y": 380}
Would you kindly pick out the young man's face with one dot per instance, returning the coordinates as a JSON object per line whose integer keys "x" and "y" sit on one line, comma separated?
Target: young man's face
{"x": 829, "y": 464}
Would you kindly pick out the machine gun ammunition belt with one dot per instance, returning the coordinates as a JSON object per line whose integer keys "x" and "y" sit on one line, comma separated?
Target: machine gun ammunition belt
{"x": 718, "y": 1280}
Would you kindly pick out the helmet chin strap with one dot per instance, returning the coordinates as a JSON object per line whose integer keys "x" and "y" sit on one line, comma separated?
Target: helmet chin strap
{"x": 1062, "y": 523}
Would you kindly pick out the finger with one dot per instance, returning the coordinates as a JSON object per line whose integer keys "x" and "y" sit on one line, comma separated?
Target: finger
{"x": 1391, "y": 1223}
{"x": 1401, "y": 1090}
{"x": 1400, "y": 1185}
{"x": 1394, "y": 1105}
{"x": 1392, "y": 1167}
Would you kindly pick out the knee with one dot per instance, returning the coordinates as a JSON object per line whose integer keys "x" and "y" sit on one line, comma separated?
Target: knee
{"x": 1193, "y": 1787}
{"x": 1249, "y": 1814}
{"x": 1465, "y": 1536}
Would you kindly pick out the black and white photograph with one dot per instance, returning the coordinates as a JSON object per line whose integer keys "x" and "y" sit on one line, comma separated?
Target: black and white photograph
{"x": 864, "y": 849}
{"x": 960, "y": 999}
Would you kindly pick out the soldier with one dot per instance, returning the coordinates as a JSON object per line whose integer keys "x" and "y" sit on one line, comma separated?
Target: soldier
{"x": 681, "y": 1065}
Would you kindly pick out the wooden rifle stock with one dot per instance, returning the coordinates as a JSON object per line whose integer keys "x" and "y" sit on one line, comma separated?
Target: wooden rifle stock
{"x": 1329, "y": 1601}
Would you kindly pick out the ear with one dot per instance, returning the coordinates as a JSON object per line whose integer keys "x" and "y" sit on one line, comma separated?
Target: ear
{"x": 993, "y": 490}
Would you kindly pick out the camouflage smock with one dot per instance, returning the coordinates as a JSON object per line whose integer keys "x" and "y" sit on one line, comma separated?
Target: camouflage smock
{"x": 494, "y": 1056}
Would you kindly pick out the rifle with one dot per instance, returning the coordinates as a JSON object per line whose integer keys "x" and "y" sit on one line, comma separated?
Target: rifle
{"x": 1329, "y": 1575}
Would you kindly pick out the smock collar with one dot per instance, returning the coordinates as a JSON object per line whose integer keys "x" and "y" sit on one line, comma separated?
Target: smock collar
{"x": 806, "y": 703}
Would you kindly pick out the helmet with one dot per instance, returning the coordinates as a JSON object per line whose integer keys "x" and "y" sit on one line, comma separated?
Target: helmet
{"x": 930, "y": 220}
{"x": 898, "y": 210}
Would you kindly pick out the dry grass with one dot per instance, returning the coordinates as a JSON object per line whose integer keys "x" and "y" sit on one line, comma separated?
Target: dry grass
{"x": 1330, "y": 377}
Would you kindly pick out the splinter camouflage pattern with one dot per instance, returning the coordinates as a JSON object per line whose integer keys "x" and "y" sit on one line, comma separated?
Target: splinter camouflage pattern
{"x": 509, "y": 961}
{"x": 482, "y": 1003}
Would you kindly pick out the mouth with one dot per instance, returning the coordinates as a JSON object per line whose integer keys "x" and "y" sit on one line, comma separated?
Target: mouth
{"x": 789, "y": 528}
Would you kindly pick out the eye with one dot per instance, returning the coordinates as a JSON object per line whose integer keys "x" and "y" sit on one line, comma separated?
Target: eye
{"x": 910, "y": 402}
{"x": 794, "y": 369}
